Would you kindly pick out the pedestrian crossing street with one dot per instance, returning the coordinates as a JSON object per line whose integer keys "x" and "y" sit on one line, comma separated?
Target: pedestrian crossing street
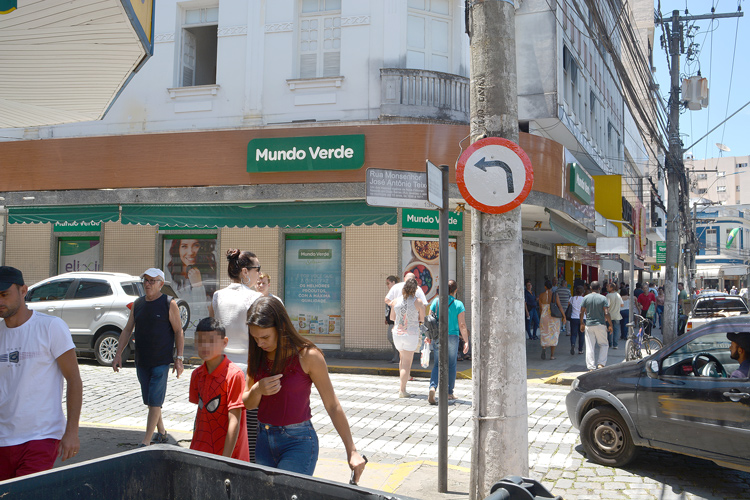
{"x": 384, "y": 427}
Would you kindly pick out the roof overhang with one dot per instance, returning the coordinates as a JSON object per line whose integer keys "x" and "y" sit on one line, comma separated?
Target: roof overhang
{"x": 67, "y": 60}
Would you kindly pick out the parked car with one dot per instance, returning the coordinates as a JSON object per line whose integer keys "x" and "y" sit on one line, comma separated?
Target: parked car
{"x": 182, "y": 304}
{"x": 95, "y": 306}
{"x": 711, "y": 305}
{"x": 678, "y": 399}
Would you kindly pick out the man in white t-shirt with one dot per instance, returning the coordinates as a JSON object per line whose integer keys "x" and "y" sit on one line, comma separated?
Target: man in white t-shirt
{"x": 397, "y": 289}
{"x": 36, "y": 354}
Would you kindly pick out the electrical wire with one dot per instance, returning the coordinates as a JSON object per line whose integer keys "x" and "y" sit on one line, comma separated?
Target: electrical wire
{"x": 731, "y": 77}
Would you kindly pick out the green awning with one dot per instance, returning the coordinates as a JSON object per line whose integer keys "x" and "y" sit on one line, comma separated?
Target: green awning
{"x": 70, "y": 215}
{"x": 286, "y": 215}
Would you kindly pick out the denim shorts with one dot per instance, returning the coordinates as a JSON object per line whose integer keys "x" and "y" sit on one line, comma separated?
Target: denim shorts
{"x": 292, "y": 448}
{"x": 153, "y": 382}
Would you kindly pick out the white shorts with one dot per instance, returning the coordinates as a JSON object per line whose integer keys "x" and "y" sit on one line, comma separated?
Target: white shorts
{"x": 406, "y": 342}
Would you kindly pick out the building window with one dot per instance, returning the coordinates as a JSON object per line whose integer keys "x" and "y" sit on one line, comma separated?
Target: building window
{"x": 702, "y": 176}
{"x": 570, "y": 80}
{"x": 721, "y": 174}
{"x": 702, "y": 191}
{"x": 740, "y": 165}
{"x": 428, "y": 35}
{"x": 711, "y": 243}
{"x": 737, "y": 188}
{"x": 320, "y": 38}
{"x": 721, "y": 189}
{"x": 199, "y": 44}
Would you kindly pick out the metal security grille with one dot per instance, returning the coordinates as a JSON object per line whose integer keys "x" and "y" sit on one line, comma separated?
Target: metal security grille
{"x": 28, "y": 249}
{"x": 371, "y": 255}
{"x": 263, "y": 242}
{"x": 128, "y": 248}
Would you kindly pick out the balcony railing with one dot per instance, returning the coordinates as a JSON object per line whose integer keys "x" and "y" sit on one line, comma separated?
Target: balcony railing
{"x": 417, "y": 93}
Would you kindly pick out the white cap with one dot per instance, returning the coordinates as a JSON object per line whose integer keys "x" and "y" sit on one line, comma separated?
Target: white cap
{"x": 154, "y": 273}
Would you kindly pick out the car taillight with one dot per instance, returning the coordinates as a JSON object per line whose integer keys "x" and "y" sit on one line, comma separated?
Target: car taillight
{"x": 130, "y": 306}
{"x": 687, "y": 328}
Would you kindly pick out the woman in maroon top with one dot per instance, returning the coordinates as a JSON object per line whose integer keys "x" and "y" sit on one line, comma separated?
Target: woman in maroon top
{"x": 281, "y": 368}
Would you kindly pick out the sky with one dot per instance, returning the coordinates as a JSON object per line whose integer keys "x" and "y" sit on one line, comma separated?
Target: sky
{"x": 728, "y": 89}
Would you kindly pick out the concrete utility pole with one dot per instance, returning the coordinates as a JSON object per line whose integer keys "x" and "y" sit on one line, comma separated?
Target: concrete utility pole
{"x": 500, "y": 444}
{"x": 675, "y": 169}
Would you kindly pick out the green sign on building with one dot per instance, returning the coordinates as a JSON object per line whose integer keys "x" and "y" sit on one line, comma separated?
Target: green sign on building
{"x": 580, "y": 183}
{"x": 430, "y": 219}
{"x": 661, "y": 252}
{"x": 298, "y": 154}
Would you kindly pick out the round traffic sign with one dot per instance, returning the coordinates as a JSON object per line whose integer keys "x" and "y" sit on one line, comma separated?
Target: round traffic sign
{"x": 494, "y": 175}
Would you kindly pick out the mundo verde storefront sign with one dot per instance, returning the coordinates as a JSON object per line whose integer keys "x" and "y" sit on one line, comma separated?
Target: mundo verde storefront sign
{"x": 429, "y": 219}
{"x": 297, "y": 154}
{"x": 580, "y": 183}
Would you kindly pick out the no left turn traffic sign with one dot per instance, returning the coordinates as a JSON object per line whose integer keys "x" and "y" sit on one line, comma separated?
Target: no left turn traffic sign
{"x": 494, "y": 175}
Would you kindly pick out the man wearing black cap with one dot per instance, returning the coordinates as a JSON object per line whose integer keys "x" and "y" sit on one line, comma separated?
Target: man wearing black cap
{"x": 740, "y": 350}
{"x": 36, "y": 353}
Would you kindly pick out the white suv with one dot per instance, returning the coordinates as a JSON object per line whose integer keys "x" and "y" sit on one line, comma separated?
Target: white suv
{"x": 95, "y": 306}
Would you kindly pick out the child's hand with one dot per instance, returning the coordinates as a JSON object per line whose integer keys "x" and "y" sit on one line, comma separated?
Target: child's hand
{"x": 270, "y": 385}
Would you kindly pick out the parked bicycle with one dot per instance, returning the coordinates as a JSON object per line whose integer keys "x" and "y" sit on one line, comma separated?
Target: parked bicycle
{"x": 641, "y": 341}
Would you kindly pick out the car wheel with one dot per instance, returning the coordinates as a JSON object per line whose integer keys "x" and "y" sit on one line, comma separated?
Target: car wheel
{"x": 105, "y": 348}
{"x": 606, "y": 437}
{"x": 184, "y": 314}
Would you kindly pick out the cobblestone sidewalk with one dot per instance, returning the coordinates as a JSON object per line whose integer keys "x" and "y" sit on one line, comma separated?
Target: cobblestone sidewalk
{"x": 399, "y": 431}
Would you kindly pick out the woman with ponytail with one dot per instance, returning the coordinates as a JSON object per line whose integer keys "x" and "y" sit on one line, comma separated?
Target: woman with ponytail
{"x": 230, "y": 306}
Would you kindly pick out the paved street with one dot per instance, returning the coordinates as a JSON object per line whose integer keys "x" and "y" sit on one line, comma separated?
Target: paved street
{"x": 399, "y": 436}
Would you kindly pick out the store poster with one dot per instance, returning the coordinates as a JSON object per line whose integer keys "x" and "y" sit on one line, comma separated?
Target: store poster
{"x": 312, "y": 285}
{"x": 190, "y": 265}
{"x": 421, "y": 256}
{"x": 79, "y": 255}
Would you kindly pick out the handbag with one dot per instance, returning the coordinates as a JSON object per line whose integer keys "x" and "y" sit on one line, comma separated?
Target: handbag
{"x": 569, "y": 310}
{"x": 553, "y": 309}
{"x": 651, "y": 311}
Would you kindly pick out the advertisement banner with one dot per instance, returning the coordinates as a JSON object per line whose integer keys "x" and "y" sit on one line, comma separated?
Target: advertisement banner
{"x": 78, "y": 255}
{"x": 421, "y": 256}
{"x": 312, "y": 286}
{"x": 190, "y": 266}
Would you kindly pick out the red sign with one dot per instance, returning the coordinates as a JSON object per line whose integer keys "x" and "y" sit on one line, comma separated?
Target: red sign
{"x": 494, "y": 175}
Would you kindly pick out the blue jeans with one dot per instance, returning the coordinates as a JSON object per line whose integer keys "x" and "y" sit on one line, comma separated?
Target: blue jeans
{"x": 623, "y": 323}
{"x": 575, "y": 331}
{"x": 153, "y": 382}
{"x": 612, "y": 337}
{"x": 292, "y": 448}
{"x": 452, "y": 357}
{"x": 659, "y": 314}
{"x": 532, "y": 323}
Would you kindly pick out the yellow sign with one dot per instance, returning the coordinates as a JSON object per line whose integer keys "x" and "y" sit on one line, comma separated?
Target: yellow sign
{"x": 655, "y": 268}
{"x": 143, "y": 10}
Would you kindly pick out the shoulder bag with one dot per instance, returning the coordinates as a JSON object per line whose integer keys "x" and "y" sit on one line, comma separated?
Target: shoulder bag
{"x": 553, "y": 309}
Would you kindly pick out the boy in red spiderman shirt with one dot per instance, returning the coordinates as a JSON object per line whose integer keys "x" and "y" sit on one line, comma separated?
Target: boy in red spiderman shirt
{"x": 216, "y": 387}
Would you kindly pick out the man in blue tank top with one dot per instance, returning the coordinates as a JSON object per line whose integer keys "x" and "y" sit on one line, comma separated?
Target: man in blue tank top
{"x": 158, "y": 330}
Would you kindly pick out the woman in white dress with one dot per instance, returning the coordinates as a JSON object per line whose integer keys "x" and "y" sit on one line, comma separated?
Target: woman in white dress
{"x": 230, "y": 306}
{"x": 407, "y": 313}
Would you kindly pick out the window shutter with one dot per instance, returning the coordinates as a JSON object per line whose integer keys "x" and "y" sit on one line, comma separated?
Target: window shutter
{"x": 331, "y": 63}
{"x": 188, "y": 59}
{"x": 308, "y": 64}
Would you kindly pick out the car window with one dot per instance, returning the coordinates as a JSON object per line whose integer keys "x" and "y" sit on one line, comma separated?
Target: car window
{"x": 132, "y": 288}
{"x": 87, "y": 289}
{"x": 716, "y": 344}
{"x": 709, "y": 307}
{"x": 54, "y": 290}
